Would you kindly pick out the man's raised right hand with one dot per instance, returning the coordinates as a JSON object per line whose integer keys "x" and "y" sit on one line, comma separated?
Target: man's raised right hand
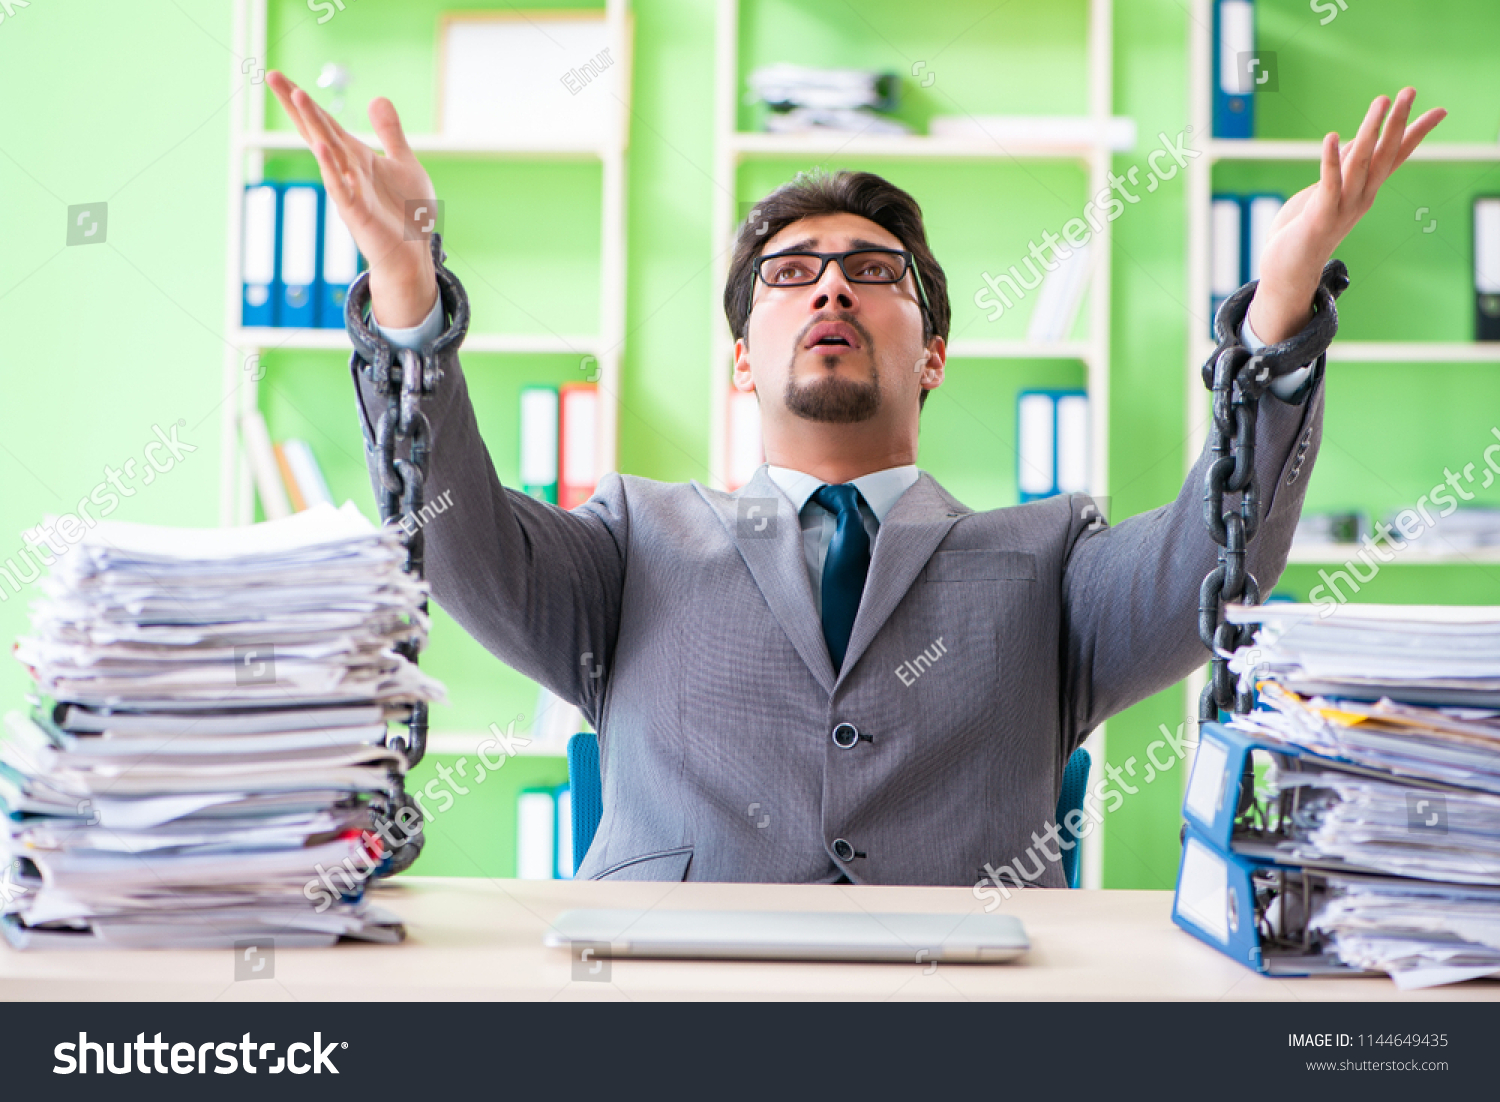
{"x": 372, "y": 194}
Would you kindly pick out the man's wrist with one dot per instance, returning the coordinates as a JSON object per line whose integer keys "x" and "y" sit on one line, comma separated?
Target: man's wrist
{"x": 416, "y": 336}
{"x": 401, "y": 299}
{"x": 1279, "y": 315}
{"x": 1289, "y": 386}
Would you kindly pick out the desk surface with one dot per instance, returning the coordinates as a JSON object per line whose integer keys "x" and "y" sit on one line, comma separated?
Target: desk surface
{"x": 482, "y": 939}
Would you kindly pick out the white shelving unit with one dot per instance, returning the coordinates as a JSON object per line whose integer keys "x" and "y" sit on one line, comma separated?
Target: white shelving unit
{"x": 1200, "y": 196}
{"x": 1199, "y": 185}
{"x": 249, "y": 142}
{"x": 732, "y": 147}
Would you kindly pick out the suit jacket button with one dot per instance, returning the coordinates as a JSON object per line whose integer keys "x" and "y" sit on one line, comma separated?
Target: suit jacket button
{"x": 843, "y": 850}
{"x": 845, "y": 736}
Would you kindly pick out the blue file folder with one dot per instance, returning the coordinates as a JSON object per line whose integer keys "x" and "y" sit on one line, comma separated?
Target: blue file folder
{"x": 301, "y": 233}
{"x": 1233, "y": 84}
{"x": 259, "y": 251}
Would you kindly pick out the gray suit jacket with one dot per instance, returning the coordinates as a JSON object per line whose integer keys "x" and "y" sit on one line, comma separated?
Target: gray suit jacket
{"x": 680, "y": 619}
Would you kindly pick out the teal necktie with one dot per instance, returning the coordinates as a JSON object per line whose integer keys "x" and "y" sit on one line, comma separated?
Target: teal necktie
{"x": 844, "y": 568}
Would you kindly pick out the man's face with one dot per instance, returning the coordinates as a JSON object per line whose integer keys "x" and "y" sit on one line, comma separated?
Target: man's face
{"x": 835, "y": 351}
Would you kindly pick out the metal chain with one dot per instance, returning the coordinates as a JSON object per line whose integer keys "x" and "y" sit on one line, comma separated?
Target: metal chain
{"x": 403, "y": 377}
{"x": 1238, "y": 378}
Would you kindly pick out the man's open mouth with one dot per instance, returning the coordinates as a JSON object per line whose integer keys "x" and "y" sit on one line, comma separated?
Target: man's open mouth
{"x": 829, "y": 335}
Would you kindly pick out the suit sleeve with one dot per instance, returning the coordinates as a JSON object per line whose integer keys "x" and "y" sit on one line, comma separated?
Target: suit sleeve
{"x": 1130, "y": 592}
{"x": 538, "y": 586}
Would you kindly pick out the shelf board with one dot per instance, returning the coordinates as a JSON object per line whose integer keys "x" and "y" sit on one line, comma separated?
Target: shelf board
{"x": 1252, "y": 149}
{"x": 469, "y": 743}
{"x": 916, "y": 146}
{"x": 1020, "y": 350}
{"x": 338, "y": 340}
{"x": 440, "y": 145}
{"x": 1337, "y": 554}
{"x": 1415, "y": 351}
{"x": 1400, "y": 352}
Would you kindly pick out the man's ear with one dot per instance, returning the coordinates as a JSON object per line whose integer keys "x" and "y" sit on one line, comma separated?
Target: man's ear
{"x": 931, "y": 367}
{"x": 742, "y": 378}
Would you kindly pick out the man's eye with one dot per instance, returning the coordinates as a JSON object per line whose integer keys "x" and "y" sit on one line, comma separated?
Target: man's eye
{"x": 788, "y": 270}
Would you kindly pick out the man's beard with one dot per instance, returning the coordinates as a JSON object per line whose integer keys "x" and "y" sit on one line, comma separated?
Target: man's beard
{"x": 834, "y": 399}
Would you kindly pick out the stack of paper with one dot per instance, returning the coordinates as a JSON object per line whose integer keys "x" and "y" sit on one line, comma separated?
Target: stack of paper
{"x": 810, "y": 99}
{"x": 1421, "y": 934}
{"x": 208, "y": 744}
{"x": 1451, "y": 531}
{"x": 1397, "y": 712}
{"x": 1341, "y": 818}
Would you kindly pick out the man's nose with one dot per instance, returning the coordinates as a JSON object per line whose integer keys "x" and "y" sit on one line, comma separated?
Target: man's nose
{"x": 833, "y": 290}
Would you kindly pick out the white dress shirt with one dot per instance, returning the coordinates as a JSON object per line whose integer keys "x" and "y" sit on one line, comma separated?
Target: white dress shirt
{"x": 878, "y": 490}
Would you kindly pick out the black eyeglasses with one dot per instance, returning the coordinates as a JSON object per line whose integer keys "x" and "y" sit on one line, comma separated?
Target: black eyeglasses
{"x": 799, "y": 269}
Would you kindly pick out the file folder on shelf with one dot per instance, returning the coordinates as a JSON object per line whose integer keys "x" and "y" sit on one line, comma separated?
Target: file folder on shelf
{"x": 1239, "y": 226}
{"x": 1487, "y": 268}
{"x": 1053, "y": 443}
{"x": 258, "y": 255}
{"x": 341, "y": 263}
{"x": 536, "y": 834}
{"x": 578, "y": 428}
{"x": 301, "y": 218}
{"x": 544, "y": 833}
{"x": 1226, "y": 266}
{"x": 539, "y": 447}
{"x": 1234, "y": 86}
{"x": 1261, "y": 210}
{"x": 562, "y": 865}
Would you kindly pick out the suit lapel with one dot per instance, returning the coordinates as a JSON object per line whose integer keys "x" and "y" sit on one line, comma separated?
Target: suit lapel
{"x": 910, "y": 533}
{"x": 773, "y": 552}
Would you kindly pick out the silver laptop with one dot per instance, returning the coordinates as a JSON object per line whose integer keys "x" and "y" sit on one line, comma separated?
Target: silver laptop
{"x": 791, "y": 935}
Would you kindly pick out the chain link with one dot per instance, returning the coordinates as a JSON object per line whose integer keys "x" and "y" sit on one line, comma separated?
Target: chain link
{"x": 403, "y": 377}
{"x": 1238, "y": 378}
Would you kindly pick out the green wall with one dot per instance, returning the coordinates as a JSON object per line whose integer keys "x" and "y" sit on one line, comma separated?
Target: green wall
{"x": 129, "y": 106}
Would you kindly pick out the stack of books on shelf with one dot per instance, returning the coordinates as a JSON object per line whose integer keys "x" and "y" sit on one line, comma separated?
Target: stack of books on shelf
{"x": 804, "y": 99}
{"x": 206, "y": 751}
{"x": 287, "y": 476}
{"x": 1371, "y": 840}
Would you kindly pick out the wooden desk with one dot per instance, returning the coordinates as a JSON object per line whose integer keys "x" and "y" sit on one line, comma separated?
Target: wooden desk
{"x": 481, "y": 939}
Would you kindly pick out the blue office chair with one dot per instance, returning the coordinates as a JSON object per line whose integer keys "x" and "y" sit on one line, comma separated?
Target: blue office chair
{"x": 588, "y": 796}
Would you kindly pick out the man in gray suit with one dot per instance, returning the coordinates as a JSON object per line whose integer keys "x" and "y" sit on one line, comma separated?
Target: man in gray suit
{"x": 756, "y": 649}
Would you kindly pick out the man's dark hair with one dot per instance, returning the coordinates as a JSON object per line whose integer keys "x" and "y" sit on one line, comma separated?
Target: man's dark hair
{"x": 810, "y": 194}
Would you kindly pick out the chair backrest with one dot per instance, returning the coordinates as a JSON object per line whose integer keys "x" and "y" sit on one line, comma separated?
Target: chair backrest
{"x": 588, "y": 796}
{"x": 587, "y": 791}
{"x": 1075, "y": 784}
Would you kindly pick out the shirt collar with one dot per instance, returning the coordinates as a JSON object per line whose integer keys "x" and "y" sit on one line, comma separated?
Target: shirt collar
{"x": 880, "y": 489}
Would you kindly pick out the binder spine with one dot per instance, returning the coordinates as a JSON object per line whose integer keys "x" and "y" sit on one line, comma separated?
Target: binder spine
{"x": 341, "y": 265}
{"x": 1261, "y": 209}
{"x": 259, "y": 251}
{"x": 1487, "y": 268}
{"x": 301, "y": 233}
{"x": 1234, "y": 95}
{"x": 1215, "y": 901}
{"x": 1052, "y": 435}
{"x": 578, "y": 421}
{"x": 539, "y": 442}
{"x": 1228, "y": 258}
